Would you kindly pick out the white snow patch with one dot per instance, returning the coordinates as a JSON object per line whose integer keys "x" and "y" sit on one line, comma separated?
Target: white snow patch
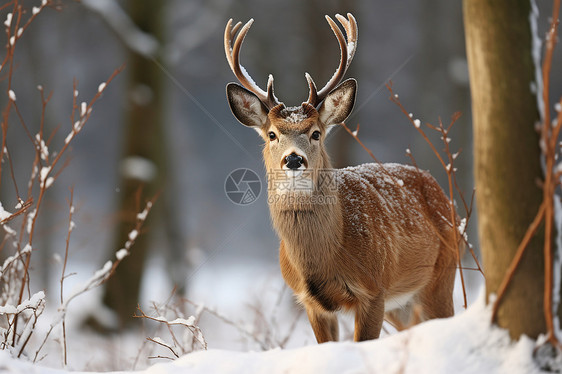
{"x": 296, "y": 116}
{"x": 136, "y": 167}
{"x": 30, "y": 219}
{"x": 43, "y": 149}
{"x": 8, "y": 21}
{"x": 45, "y": 179}
{"x": 83, "y": 108}
{"x": 350, "y": 51}
{"x": 536, "y": 48}
{"x": 466, "y": 343}
{"x": 133, "y": 235}
{"x": 557, "y": 268}
{"x": 121, "y": 254}
{"x": 142, "y": 215}
{"x": 69, "y": 137}
{"x": 4, "y": 213}
{"x": 32, "y": 303}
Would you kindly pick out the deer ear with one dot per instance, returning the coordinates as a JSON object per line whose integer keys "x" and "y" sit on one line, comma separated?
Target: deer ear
{"x": 246, "y": 106}
{"x": 338, "y": 104}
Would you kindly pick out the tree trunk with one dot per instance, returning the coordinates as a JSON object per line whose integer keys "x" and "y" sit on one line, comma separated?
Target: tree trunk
{"x": 143, "y": 163}
{"x": 506, "y": 155}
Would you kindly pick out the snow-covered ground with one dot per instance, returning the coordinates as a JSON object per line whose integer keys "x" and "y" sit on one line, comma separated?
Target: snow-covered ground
{"x": 466, "y": 343}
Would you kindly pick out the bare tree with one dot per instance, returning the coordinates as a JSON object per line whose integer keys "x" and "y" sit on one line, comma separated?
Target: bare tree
{"x": 506, "y": 155}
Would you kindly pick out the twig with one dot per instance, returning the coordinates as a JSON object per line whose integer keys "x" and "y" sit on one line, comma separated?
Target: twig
{"x": 63, "y": 273}
{"x": 517, "y": 259}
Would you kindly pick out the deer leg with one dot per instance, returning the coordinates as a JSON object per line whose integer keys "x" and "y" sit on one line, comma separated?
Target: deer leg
{"x": 436, "y": 299}
{"x": 324, "y": 324}
{"x": 368, "y": 319}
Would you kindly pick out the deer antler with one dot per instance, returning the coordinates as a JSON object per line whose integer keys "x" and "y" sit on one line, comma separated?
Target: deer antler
{"x": 233, "y": 56}
{"x": 347, "y": 52}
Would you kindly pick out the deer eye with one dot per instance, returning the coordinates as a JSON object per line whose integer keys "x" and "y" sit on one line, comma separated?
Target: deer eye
{"x": 272, "y": 135}
{"x": 316, "y": 135}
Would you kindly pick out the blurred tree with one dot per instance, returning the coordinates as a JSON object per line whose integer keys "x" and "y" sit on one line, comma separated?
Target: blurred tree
{"x": 143, "y": 166}
{"x": 507, "y": 157}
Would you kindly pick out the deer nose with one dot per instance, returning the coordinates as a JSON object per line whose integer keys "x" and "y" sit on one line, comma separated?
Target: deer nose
{"x": 293, "y": 161}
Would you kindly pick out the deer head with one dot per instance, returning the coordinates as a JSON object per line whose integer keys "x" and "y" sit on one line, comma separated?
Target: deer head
{"x": 294, "y": 136}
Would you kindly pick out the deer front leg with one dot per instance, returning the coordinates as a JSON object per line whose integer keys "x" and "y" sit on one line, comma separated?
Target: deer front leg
{"x": 324, "y": 324}
{"x": 368, "y": 319}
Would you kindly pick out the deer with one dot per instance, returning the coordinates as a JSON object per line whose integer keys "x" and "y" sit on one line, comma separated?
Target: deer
{"x": 372, "y": 239}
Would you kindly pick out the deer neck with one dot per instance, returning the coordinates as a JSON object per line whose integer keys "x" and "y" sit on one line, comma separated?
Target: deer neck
{"x": 309, "y": 221}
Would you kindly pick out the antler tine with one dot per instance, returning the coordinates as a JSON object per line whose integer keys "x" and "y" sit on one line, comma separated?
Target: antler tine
{"x": 312, "y": 93}
{"x": 233, "y": 57}
{"x": 347, "y": 49}
{"x": 350, "y": 26}
{"x": 229, "y": 33}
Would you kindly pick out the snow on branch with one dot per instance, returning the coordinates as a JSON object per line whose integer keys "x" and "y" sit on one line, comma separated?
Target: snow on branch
{"x": 177, "y": 348}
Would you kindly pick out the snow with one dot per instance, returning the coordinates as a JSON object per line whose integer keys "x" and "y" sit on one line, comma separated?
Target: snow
{"x": 69, "y": 137}
{"x": 8, "y": 21}
{"x": 466, "y": 343}
{"x": 133, "y": 235}
{"x": 83, "y": 107}
{"x": 3, "y": 213}
{"x": 351, "y": 46}
{"x": 557, "y": 268}
{"x": 32, "y": 303}
{"x": 44, "y": 150}
{"x": 137, "y": 167}
{"x": 297, "y": 115}
{"x": 45, "y": 179}
{"x": 536, "y": 49}
{"x": 121, "y": 254}
{"x": 142, "y": 215}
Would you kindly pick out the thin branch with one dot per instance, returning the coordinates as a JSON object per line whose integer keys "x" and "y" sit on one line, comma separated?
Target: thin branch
{"x": 517, "y": 259}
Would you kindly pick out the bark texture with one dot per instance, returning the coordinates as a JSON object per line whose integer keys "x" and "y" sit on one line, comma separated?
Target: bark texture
{"x": 506, "y": 155}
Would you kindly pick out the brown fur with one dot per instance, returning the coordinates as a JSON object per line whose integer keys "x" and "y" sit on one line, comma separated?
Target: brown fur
{"x": 368, "y": 239}
{"x": 380, "y": 238}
